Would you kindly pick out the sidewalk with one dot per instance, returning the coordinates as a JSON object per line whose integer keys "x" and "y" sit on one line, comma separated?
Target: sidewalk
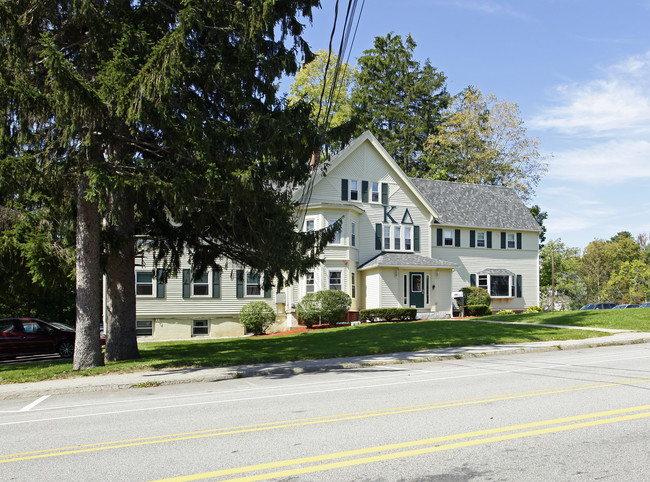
{"x": 193, "y": 375}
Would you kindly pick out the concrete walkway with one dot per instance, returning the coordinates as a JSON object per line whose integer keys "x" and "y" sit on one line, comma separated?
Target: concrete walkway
{"x": 191, "y": 375}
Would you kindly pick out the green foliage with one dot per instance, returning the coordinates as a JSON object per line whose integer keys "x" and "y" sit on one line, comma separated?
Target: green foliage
{"x": 533, "y": 309}
{"x": 478, "y": 310}
{"x": 257, "y": 317}
{"x": 399, "y": 100}
{"x": 323, "y": 307}
{"x": 505, "y": 312}
{"x": 473, "y": 295}
{"x": 388, "y": 314}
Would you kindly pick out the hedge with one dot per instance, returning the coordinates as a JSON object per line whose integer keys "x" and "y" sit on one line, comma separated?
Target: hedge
{"x": 388, "y": 314}
{"x": 477, "y": 310}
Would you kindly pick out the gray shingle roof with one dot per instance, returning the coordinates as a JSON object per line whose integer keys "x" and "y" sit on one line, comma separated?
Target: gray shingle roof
{"x": 403, "y": 260}
{"x": 476, "y": 205}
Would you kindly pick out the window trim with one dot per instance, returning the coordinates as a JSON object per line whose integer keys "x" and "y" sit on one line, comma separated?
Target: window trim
{"x": 353, "y": 234}
{"x": 353, "y": 285}
{"x": 408, "y": 239}
{"x": 151, "y": 283}
{"x": 485, "y": 281}
{"x": 338, "y": 240}
{"x": 374, "y": 192}
{"x": 196, "y": 284}
{"x": 149, "y": 328}
{"x": 311, "y": 219}
{"x": 478, "y": 239}
{"x": 259, "y": 284}
{"x": 196, "y": 327}
{"x": 308, "y": 284}
{"x": 448, "y": 237}
{"x": 509, "y": 240}
{"x": 354, "y": 190}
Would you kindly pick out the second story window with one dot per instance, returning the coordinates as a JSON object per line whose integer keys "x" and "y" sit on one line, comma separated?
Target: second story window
{"x": 200, "y": 286}
{"x": 375, "y": 192}
{"x": 448, "y": 237}
{"x": 480, "y": 239}
{"x": 397, "y": 233}
{"x": 337, "y": 238}
{"x": 144, "y": 283}
{"x": 353, "y": 234}
{"x": 354, "y": 190}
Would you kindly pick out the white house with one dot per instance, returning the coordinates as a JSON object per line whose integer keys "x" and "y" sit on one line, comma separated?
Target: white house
{"x": 404, "y": 242}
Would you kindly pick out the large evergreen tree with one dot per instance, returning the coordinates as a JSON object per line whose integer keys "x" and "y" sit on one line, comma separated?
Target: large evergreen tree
{"x": 157, "y": 119}
{"x": 400, "y": 101}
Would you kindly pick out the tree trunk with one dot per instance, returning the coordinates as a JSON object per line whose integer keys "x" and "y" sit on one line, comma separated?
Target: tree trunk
{"x": 121, "y": 340}
{"x": 88, "y": 349}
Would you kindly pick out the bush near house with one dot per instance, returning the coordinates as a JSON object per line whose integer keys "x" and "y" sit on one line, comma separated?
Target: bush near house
{"x": 257, "y": 317}
{"x": 476, "y": 296}
{"x": 323, "y": 307}
{"x": 505, "y": 312}
{"x": 478, "y": 310}
{"x": 388, "y": 314}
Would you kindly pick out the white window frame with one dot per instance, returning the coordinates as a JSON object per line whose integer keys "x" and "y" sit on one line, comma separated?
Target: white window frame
{"x": 353, "y": 285}
{"x": 310, "y": 282}
{"x": 335, "y": 286}
{"x": 405, "y": 288}
{"x": 309, "y": 221}
{"x": 480, "y": 239}
{"x": 427, "y": 290}
{"x": 200, "y": 328}
{"x": 485, "y": 281}
{"x": 249, "y": 282}
{"x": 397, "y": 238}
{"x": 374, "y": 193}
{"x": 387, "y": 237}
{"x": 143, "y": 327}
{"x": 337, "y": 241}
{"x": 202, "y": 285}
{"x": 151, "y": 284}
{"x": 354, "y": 190}
{"x": 408, "y": 238}
{"x": 448, "y": 237}
{"x": 511, "y": 242}
{"x": 353, "y": 233}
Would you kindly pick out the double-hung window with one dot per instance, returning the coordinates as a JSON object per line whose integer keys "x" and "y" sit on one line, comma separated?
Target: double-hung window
{"x": 448, "y": 237}
{"x": 499, "y": 286}
{"x": 335, "y": 280}
{"x": 309, "y": 282}
{"x": 144, "y": 283}
{"x": 408, "y": 240}
{"x": 253, "y": 285}
{"x": 354, "y": 190}
{"x": 337, "y": 238}
{"x": 201, "y": 286}
{"x": 353, "y": 285}
{"x": 480, "y": 239}
{"x": 511, "y": 241}
{"x": 387, "y": 237}
{"x": 310, "y": 225}
{"x": 143, "y": 327}
{"x": 397, "y": 236}
{"x": 200, "y": 327}
{"x": 374, "y": 193}
{"x": 353, "y": 234}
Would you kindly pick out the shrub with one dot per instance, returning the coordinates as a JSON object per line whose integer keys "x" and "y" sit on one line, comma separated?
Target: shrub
{"x": 257, "y": 317}
{"x": 327, "y": 307}
{"x": 388, "y": 314}
{"x": 506, "y": 312}
{"x": 473, "y": 295}
{"x": 478, "y": 310}
{"x": 533, "y": 309}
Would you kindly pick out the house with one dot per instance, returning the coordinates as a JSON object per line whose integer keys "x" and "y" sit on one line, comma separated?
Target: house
{"x": 404, "y": 242}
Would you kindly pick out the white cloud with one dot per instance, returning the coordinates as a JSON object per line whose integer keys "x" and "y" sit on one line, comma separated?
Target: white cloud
{"x": 617, "y": 103}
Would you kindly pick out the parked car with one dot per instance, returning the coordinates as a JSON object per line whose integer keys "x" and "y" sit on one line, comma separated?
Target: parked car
{"x": 588, "y": 307}
{"x": 29, "y": 336}
{"x": 632, "y": 305}
{"x": 645, "y": 305}
{"x": 599, "y": 306}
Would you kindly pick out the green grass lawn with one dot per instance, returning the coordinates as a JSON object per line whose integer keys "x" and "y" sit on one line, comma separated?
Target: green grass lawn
{"x": 636, "y": 319}
{"x": 318, "y": 344}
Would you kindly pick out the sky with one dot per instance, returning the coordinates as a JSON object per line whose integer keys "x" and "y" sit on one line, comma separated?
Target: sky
{"x": 579, "y": 70}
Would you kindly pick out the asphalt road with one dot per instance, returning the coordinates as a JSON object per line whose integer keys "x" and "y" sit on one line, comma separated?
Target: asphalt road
{"x": 574, "y": 415}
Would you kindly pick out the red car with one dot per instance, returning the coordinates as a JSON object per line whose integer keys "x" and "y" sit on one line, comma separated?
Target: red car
{"x": 29, "y": 336}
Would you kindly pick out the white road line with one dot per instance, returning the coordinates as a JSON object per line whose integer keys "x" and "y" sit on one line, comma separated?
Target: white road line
{"x": 27, "y": 408}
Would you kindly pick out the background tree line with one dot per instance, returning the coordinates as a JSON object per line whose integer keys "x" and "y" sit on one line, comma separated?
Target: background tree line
{"x": 615, "y": 270}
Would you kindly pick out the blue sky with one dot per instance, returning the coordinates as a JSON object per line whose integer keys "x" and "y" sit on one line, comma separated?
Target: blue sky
{"x": 579, "y": 70}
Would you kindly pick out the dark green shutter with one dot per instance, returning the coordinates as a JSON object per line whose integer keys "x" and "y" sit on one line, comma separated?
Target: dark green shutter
{"x": 457, "y": 236}
{"x": 472, "y": 238}
{"x": 187, "y": 283}
{"x": 489, "y": 239}
{"x": 160, "y": 283}
{"x": 503, "y": 240}
{"x": 518, "y": 240}
{"x": 519, "y": 286}
{"x": 439, "y": 236}
{"x": 240, "y": 283}
{"x": 344, "y": 189}
{"x": 416, "y": 238}
{"x": 384, "y": 193}
{"x": 472, "y": 280}
{"x": 364, "y": 191}
{"x": 216, "y": 284}
{"x": 378, "y": 233}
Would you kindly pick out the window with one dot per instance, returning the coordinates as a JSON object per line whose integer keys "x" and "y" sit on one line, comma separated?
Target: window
{"x": 200, "y": 327}
{"x": 353, "y": 235}
{"x": 353, "y": 287}
{"x": 511, "y": 241}
{"x": 416, "y": 283}
{"x": 337, "y": 238}
{"x": 480, "y": 239}
{"x": 143, "y": 327}
{"x": 408, "y": 243}
{"x": 428, "y": 295}
{"x": 144, "y": 283}
{"x": 374, "y": 197}
{"x": 354, "y": 190}
{"x": 386, "y": 237}
{"x": 253, "y": 287}
{"x": 405, "y": 288}
{"x": 335, "y": 280}
{"x": 200, "y": 286}
{"x": 499, "y": 286}
{"x": 448, "y": 237}
{"x": 310, "y": 224}
{"x": 397, "y": 233}
{"x": 309, "y": 282}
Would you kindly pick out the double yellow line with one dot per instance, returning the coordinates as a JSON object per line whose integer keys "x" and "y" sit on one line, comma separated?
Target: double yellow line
{"x": 397, "y": 451}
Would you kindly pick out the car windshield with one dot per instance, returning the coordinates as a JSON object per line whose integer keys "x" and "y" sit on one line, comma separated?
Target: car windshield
{"x": 61, "y": 326}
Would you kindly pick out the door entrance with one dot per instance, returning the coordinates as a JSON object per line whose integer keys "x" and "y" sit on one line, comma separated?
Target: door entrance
{"x": 417, "y": 290}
